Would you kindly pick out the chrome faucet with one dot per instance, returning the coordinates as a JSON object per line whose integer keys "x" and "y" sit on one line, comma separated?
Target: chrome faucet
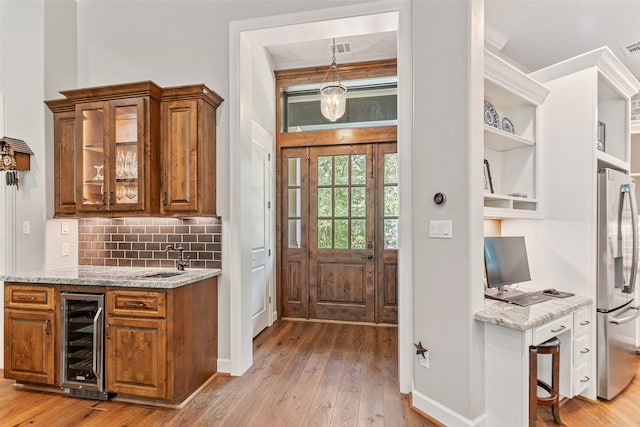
{"x": 181, "y": 261}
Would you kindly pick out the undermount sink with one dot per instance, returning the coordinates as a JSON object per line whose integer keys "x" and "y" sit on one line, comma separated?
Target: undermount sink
{"x": 163, "y": 274}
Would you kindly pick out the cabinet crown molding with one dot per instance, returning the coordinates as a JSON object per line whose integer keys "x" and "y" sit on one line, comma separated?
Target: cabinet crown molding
{"x": 516, "y": 81}
{"x": 604, "y": 60}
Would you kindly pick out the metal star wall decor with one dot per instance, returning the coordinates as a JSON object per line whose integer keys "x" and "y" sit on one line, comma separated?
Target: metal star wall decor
{"x": 420, "y": 349}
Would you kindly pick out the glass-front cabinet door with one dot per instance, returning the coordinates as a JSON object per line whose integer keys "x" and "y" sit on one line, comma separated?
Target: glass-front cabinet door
{"x": 127, "y": 191}
{"x": 110, "y": 158}
{"x": 92, "y": 155}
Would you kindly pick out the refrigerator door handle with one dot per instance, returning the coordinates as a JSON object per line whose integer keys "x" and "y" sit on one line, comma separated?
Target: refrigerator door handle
{"x": 626, "y": 188}
{"x": 621, "y": 320}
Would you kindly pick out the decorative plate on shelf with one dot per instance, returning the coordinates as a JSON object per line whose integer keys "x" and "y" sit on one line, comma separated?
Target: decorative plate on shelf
{"x": 507, "y": 126}
{"x": 490, "y": 114}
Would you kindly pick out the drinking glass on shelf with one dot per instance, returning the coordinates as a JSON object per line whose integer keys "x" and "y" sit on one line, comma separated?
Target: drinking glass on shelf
{"x": 99, "y": 176}
{"x": 132, "y": 191}
{"x": 120, "y": 191}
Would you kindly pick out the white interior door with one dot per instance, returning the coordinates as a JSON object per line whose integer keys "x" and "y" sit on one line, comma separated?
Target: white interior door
{"x": 261, "y": 223}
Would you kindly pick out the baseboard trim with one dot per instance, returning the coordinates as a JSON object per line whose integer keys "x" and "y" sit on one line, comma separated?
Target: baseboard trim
{"x": 423, "y": 414}
{"x": 224, "y": 365}
{"x": 383, "y": 325}
{"x": 442, "y": 415}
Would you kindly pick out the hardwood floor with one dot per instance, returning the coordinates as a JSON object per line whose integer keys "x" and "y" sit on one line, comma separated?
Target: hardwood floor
{"x": 304, "y": 374}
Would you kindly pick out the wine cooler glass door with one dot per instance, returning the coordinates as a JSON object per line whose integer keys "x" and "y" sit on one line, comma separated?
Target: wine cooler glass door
{"x": 82, "y": 360}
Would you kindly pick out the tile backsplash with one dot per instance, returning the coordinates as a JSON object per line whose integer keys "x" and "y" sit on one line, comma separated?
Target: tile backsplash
{"x": 141, "y": 242}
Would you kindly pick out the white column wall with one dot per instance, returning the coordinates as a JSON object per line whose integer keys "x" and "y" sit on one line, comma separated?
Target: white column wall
{"x": 447, "y": 157}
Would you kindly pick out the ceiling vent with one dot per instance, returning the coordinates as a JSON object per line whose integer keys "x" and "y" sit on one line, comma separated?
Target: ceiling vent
{"x": 343, "y": 48}
{"x": 632, "y": 48}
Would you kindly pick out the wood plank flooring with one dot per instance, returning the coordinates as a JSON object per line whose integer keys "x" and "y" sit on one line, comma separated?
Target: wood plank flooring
{"x": 304, "y": 374}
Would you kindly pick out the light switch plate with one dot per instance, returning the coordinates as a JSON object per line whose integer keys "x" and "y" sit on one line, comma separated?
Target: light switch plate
{"x": 64, "y": 227}
{"x": 26, "y": 227}
{"x": 441, "y": 229}
{"x": 64, "y": 249}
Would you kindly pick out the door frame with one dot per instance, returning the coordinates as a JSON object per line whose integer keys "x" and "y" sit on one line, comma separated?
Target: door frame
{"x": 245, "y": 38}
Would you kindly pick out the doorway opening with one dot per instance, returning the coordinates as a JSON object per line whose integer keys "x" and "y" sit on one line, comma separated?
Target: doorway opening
{"x": 249, "y": 65}
{"x": 337, "y": 197}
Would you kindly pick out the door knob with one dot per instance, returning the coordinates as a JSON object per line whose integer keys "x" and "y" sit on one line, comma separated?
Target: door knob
{"x": 369, "y": 256}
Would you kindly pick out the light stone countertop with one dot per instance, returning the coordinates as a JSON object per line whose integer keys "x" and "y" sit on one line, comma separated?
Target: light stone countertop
{"x": 523, "y": 318}
{"x": 131, "y": 277}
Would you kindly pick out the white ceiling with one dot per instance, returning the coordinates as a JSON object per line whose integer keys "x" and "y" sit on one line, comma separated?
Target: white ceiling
{"x": 538, "y": 33}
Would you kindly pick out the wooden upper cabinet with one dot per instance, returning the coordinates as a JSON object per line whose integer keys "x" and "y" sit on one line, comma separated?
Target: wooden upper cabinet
{"x": 64, "y": 142}
{"x": 188, "y": 150}
{"x": 135, "y": 149}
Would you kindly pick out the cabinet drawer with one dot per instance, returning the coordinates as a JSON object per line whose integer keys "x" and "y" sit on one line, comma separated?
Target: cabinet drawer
{"x": 137, "y": 304}
{"x": 31, "y": 297}
{"x": 581, "y": 350}
{"x": 581, "y": 379}
{"x": 582, "y": 322}
{"x": 552, "y": 329}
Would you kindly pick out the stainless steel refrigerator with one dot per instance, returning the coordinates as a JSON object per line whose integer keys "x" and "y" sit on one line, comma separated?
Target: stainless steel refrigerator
{"x": 617, "y": 271}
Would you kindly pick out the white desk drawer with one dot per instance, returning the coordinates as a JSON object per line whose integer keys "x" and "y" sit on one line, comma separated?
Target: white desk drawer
{"x": 581, "y": 350}
{"x": 552, "y": 329}
{"x": 582, "y": 322}
{"x": 581, "y": 379}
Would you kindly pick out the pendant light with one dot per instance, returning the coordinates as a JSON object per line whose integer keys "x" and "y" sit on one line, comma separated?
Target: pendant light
{"x": 333, "y": 94}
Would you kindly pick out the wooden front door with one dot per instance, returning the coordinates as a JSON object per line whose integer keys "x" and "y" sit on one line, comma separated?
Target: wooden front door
{"x": 339, "y": 227}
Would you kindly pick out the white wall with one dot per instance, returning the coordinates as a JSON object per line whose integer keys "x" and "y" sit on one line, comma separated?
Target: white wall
{"x": 60, "y": 72}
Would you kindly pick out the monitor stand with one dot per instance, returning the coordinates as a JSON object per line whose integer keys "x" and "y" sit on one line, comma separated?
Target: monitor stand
{"x": 501, "y": 293}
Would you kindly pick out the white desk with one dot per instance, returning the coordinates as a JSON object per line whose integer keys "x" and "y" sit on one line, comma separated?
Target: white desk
{"x": 510, "y": 330}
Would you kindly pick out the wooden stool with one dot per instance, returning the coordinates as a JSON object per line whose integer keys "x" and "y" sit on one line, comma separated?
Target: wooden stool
{"x": 551, "y": 347}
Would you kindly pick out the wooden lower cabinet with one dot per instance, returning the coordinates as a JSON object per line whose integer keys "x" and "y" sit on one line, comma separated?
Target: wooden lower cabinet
{"x": 136, "y": 357}
{"x": 30, "y": 346}
{"x": 30, "y": 333}
{"x": 161, "y": 344}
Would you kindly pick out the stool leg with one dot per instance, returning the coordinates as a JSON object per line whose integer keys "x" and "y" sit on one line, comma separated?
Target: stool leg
{"x": 533, "y": 386}
{"x": 555, "y": 382}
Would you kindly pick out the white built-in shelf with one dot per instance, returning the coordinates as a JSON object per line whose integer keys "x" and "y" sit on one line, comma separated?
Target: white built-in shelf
{"x": 512, "y": 157}
{"x": 499, "y": 140}
{"x": 606, "y": 160}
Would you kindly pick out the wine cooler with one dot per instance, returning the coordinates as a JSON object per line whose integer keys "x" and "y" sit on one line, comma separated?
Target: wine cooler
{"x": 82, "y": 356}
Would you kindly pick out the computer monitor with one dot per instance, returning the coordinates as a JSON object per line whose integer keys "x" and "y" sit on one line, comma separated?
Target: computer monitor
{"x": 506, "y": 263}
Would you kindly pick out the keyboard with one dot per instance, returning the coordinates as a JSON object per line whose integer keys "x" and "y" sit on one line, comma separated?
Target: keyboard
{"x": 528, "y": 298}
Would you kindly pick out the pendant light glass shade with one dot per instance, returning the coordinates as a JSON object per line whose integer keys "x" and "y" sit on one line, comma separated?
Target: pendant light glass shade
{"x": 333, "y": 94}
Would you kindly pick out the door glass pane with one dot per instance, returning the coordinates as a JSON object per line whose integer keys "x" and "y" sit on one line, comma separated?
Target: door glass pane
{"x": 325, "y": 202}
{"x": 342, "y": 170}
{"x": 294, "y": 171}
{"x": 325, "y": 170}
{"x": 359, "y": 169}
{"x": 294, "y": 201}
{"x": 391, "y": 168}
{"x": 295, "y": 233}
{"x": 93, "y": 158}
{"x": 342, "y": 233}
{"x": 324, "y": 234}
{"x": 391, "y": 201}
{"x": 358, "y": 201}
{"x": 391, "y": 234}
{"x": 358, "y": 233}
{"x": 342, "y": 202}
